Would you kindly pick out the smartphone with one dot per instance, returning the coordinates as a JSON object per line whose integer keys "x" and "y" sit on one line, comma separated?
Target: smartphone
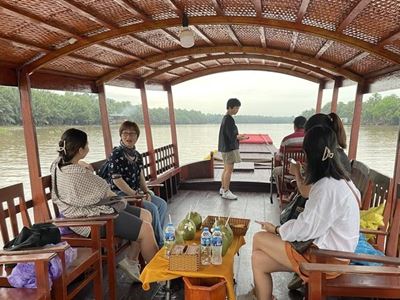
{"x": 292, "y": 161}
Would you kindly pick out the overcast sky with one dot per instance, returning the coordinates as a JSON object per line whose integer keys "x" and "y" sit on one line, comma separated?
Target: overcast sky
{"x": 260, "y": 92}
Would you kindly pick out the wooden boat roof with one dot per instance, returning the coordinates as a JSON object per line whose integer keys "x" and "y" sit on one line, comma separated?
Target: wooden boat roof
{"x": 77, "y": 45}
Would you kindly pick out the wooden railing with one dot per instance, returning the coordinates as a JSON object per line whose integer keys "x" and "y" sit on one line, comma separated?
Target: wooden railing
{"x": 165, "y": 161}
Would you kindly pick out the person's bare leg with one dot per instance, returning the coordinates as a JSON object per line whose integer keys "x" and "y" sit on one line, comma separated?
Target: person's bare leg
{"x": 134, "y": 248}
{"x": 223, "y": 179}
{"x": 228, "y": 169}
{"x": 269, "y": 255}
{"x": 147, "y": 241}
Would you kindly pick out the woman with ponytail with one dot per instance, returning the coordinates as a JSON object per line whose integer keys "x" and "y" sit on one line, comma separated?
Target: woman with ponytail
{"x": 79, "y": 193}
{"x": 331, "y": 217}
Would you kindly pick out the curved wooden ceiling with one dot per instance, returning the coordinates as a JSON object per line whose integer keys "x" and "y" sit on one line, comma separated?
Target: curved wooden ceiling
{"x": 111, "y": 40}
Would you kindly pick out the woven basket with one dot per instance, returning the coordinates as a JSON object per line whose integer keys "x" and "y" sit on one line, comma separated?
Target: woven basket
{"x": 238, "y": 226}
{"x": 185, "y": 262}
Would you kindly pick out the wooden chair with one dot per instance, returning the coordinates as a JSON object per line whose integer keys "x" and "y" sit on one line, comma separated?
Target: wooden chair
{"x": 42, "y": 290}
{"x": 359, "y": 176}
{"x": 379, "y": 190}
{"x": 14, "y": 214}
{"x": 111, "y": 245}
{"x": 295, "y": 152}
{"x": 359, "y": 281}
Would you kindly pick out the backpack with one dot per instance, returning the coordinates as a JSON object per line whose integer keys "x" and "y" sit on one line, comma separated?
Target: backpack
{"x": 293, "y": 209}
{"x": 37, "y": 236}
{"x": 103, "y": 171}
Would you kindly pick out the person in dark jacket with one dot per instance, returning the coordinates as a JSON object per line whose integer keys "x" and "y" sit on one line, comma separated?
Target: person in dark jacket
{"x": 228, "y": 145}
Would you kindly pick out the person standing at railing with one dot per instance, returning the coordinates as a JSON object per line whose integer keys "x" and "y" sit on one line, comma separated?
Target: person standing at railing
{"x": 228, "y": 145}
{"x": 125, "y": 175}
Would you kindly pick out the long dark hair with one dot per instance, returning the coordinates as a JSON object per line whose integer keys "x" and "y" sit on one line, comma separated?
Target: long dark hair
{"x": 318, "y": 142}
{"x": 71, "y": 141}
{"x": 331, "y": 120}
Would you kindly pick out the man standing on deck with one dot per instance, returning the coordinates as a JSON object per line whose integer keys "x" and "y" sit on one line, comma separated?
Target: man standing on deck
{"x": 228, "y": 145}
{"x": 294, "y": 139}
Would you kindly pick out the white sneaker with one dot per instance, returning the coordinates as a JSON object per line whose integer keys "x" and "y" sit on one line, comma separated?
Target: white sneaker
{"x": 131, "y": 268}
{"x": 221, "y": 191}
{"x": 229, "y": 195}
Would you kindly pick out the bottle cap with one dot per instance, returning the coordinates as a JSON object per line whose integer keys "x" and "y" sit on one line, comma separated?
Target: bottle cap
{"x": 216, "y": 228}
{"x": 205, "y": 228}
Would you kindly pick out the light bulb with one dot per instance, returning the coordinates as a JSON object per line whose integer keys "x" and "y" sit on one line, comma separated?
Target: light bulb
{"x": 186, "y": 37}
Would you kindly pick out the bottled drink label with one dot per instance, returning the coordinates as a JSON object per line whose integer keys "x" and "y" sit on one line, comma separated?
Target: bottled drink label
{"x": 217, "y": 241}
{"x": 169, "y": 236}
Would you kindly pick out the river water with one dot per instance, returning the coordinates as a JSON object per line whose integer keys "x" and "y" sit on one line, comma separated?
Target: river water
{"x": 377, "y": 145}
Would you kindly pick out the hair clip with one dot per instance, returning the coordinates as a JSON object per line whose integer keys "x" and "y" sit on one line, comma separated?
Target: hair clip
{"x": 62, "y": 149}
{"x": 327, "y": 154}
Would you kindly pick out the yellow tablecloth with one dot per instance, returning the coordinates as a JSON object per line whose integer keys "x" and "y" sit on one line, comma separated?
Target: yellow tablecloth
{"x": 157, "y": 269}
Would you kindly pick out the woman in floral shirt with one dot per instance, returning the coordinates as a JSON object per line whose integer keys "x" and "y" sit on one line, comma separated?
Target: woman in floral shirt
{"x": 125, "y": 166}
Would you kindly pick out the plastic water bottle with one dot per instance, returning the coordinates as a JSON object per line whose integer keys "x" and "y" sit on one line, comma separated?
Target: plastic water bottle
{"x": 216, "y": 249}
{"x": 205, "y": 242}
{"x": 169, "y": 238}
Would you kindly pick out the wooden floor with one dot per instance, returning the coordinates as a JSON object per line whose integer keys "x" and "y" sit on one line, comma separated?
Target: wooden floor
{"x": 255, "y": 206}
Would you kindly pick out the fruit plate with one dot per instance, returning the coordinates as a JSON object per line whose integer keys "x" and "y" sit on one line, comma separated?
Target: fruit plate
{"x": 239, "y": 226}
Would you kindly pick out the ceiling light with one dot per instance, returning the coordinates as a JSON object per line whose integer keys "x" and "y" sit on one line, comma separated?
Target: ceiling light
{"x": 186, "y": 35}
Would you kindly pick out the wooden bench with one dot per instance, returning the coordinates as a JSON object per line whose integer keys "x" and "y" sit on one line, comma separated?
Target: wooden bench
{"x": 87, "y": 264}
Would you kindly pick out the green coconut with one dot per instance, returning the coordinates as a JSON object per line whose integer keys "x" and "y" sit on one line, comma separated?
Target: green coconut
{"x": 226, "y": 243}
{"x": 188, "y": 229}
{"x": 179, "y": 237}
{"x": 196, "y": 218}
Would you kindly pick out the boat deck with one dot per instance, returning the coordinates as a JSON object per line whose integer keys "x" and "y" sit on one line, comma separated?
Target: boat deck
{"x": 255, "y": 206}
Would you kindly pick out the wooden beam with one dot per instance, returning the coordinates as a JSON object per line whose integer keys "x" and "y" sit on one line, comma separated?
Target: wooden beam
{"x": 33, "y": 19}
{"x": 355, "y": 126}
{"x": 238, "y": 67}
{"x": 118, "y": 51}
{"x": 294, "y": 41}
{"x": 86, "y": 13}
{"x": 172, "y": 123}
{"x": 355, "y": 59}
{"x": 250, "y": 50}
{"x": 390, "y": 39}
{"x": 335, "y": 94}
{"x": 246, "y": 56}
{"x": 262, "y": 37}
{"x": 216, "y": 20}
{"x": 319, "y": 98}
{"x": 258, "y": 8}
{"x": 233, "y": 36}
{"x": 54, "y": 80}
{"x": 32, "y": 152}
{"x": 371, "y": 76}
{"x": 217, "y": 7}
{"x": 105, "y": 123}
{"x": 302, "y": 10}
{"x": 175, "y": 7}
{"x": 322, "y": 50}
{"x": 147, "y": 128}
{"x": 353, "y": 14}
{"x": 201, "y": 34}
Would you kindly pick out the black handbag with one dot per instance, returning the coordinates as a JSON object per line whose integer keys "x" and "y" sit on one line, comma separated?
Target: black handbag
{"x": 37, "y": 236}
{"x": 302, "y": 246}
{"x": 293, "y": 209}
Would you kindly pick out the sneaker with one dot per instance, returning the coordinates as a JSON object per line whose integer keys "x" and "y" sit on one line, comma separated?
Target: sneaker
{"x": 131, "y": 268}
{"x": 229, "y": 195}
{"x": 295, "y": 283}
{"x": 221, "y": 191}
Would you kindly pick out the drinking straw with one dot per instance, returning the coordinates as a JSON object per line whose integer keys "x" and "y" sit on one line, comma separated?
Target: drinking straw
{"x": 227, "y": 220}
{"x": 170, "y": 221}
{"x": 196, "y": 204}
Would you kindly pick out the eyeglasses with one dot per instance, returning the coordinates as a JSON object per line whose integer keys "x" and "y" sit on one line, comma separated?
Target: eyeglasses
{"x": 129, "y": 133}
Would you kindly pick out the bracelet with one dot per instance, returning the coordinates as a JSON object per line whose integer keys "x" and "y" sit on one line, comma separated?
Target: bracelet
{"x": 276, "y": 229}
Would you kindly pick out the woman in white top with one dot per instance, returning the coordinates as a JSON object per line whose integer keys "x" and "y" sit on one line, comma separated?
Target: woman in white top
{"x": 330, "y": 217}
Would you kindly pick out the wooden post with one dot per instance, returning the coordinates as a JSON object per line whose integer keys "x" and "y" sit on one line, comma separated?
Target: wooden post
{"x": 319, "y": 97}
{"x": 396, "y": 172}
{"x": 355, "y": 126}
{"x": 147, "y": 128}
{"x": 31, "y": 145}
{"x": 105, "y": 124}
{"x": 335, "y": 94}
{"x": 172, "y": 122}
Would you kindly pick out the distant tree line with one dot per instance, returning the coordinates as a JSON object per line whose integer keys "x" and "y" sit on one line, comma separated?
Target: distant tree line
{"x": 377, "y": 110}
{"x": 83, "y": 109}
